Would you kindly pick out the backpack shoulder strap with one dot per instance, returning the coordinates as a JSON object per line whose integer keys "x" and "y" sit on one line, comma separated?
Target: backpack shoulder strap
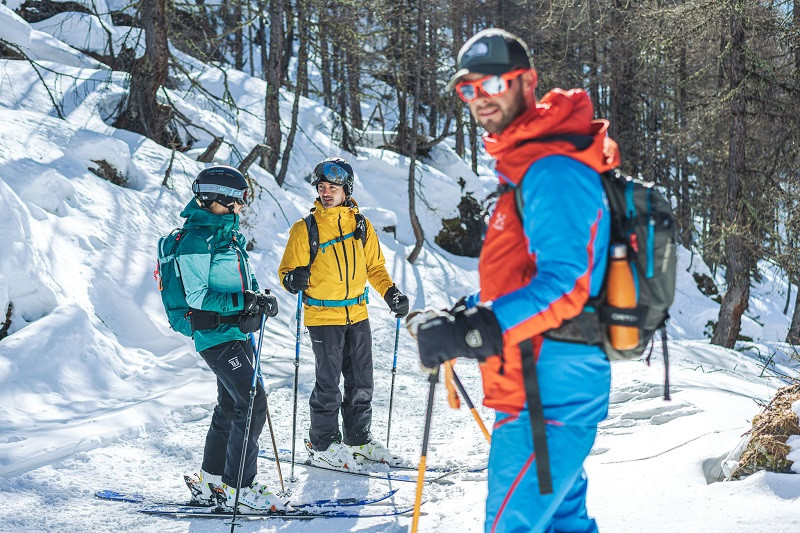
{"x": 204, "y": 233}
{"x": 520, "y": 203}
{"x": 313, "y": 237}
{"x": 361, "y": 229}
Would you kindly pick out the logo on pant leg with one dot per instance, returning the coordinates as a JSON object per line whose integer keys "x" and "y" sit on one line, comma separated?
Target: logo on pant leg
{"x": 234, "y": 363}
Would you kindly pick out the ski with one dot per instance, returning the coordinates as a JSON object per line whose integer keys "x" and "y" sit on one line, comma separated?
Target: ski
{"x": 390, "y": 473}
{"x": 188, "y": 511}
{"x": 113, "y": 495}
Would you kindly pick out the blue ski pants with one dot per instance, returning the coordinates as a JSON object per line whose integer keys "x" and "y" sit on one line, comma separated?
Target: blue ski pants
{"x": 575, "y": 382}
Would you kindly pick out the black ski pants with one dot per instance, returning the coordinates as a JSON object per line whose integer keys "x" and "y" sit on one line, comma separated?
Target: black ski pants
{"x": 347, "y": 351}
{"x": 232, "y": 362}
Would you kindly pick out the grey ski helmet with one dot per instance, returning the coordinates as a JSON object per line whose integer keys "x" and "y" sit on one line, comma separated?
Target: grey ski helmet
{"x": 222, "y": 184}
{"x": 335, "y": 170}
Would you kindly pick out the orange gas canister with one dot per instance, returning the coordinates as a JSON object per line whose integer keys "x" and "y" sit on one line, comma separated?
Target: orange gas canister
{"x": 621, "y": 292}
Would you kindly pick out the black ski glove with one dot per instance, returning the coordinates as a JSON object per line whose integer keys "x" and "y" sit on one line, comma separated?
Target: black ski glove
{"x": 255, "y": 306}
{"x": 296, "y": 280}
{"x": 397, "y": 302}
{"x": 260, "y": 304}
{"x": 473, "y": 333}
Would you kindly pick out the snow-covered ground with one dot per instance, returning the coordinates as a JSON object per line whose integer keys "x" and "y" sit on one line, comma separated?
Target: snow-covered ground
{"x": 97, "y": 392}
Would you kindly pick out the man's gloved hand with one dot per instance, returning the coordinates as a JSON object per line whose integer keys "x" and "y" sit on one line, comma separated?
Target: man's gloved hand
{"x": 473, "y": 333}
{"x": 260, "y": 304}
{"x": 296, "y": 280}
{"x": 397, "y": 302}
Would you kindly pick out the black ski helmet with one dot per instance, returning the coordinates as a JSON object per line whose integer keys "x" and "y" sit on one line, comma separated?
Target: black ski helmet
{"x": 337, "y": 171}
{"x": 222, "y": 184}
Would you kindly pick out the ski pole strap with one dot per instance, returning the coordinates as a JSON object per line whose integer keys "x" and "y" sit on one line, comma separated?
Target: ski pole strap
{"x": 338, "y": 303}
{"x": 536, "y": 412}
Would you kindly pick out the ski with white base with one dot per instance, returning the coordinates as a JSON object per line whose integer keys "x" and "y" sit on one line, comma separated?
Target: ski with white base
{"x": 390, "y": 473}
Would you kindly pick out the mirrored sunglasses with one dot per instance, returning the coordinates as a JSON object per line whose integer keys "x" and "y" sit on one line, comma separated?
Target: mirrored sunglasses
{"x": 492, "y": 85}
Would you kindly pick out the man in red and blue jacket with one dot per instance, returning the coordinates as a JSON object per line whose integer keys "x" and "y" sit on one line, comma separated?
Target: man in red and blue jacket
{"x": 538, "y": 268}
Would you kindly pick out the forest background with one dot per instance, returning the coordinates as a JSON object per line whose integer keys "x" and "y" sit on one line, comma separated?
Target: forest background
{"x": 701, "y": 94}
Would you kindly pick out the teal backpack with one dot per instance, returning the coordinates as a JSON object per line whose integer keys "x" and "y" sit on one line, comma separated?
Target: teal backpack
{"x": 170, "y": 285}
{"x": 182, "y": 318}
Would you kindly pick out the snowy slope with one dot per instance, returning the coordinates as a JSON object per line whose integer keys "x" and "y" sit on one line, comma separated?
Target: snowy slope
{"x": 97, "y": 392}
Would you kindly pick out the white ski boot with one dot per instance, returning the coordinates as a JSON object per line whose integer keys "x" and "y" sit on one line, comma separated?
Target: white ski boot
{"x": 375, "y": 452}
{"x": 199, "y": 485}
{"x": 256, "y": 497}
{"x": 336, "y": 455}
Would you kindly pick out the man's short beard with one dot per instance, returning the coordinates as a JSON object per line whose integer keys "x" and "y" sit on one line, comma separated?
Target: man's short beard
{"x": 519, "y": 108}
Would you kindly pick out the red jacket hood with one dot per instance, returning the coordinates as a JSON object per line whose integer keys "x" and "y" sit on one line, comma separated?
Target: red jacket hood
{"x": 559, "y": 112}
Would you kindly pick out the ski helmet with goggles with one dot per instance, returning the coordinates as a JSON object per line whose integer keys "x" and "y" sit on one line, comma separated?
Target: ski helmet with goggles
{"x": 335, "y": 170}
{"x": 222, "y": 184}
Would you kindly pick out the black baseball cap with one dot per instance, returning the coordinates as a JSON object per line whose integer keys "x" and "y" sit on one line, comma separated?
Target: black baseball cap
{"x": 491, "y": 51}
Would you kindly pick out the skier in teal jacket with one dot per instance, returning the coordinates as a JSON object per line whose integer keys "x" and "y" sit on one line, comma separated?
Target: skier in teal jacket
{"x": 225, "y": 306}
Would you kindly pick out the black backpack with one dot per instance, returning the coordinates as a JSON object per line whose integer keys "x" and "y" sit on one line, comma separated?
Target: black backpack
{"x": 641, "y": 219}
{"x": 313, "y": 235}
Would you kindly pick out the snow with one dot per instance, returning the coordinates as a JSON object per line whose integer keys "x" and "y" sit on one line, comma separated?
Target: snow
{"x": 97, "y": 392}
{"x": 13, "y": 29}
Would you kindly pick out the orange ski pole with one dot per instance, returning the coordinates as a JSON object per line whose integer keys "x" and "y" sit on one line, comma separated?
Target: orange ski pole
{"x": 471, "y": 406}
{"x": 433, "y": 378}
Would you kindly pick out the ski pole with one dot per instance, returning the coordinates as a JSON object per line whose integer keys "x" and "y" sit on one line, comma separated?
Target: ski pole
{"x": 472, "y": 409}
{"x": 271, "y": 432}
{"x": 433, "y": 378}
{"x": 256, "y": 374}
{"x": 394, "y": 373}
{"x": 296, "y": 373}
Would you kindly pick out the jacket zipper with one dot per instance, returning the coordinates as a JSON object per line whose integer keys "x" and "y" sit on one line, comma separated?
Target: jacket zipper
{"x": 354, "y": 258}
{"x": 346, "y": 262}
{"x": 346, "y": 268}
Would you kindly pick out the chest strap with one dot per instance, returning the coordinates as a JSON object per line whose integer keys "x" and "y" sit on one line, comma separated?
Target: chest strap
{"x": 331, "y": 242}
{"x": 364, "y": 298}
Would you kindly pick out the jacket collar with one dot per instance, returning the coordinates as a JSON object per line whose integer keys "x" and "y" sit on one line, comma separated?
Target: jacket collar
{"x": 349, "y": 205}
{"x": 543, "y": 129}
{"x": 197, "y": 217}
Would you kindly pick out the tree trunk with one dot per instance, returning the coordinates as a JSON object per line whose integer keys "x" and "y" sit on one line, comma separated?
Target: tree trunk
{"x": 353, "y": 59}
{"x": 302, "y": 57}
{"x": 623, "y": 87}
{"x": 273, "y": 74}
{"x": 473, "y": 142}
{"x": 250, "y": 38}
{"x": 208, "y": 155}
{"x": 793, "y": 336}
{"x": 458, "y": 112}
{"x": 685, "y": 212}
{"x": 419, "y": 236}
{"x": 259, "y": 151}
{"x": 737, "y": 256}
{"x": 325, "y": 62}
{"x": 340, "y": 75}
{"x": 238, "y": 37}
{"x": 288, "y": 41}
{"x": 143, "y": 114}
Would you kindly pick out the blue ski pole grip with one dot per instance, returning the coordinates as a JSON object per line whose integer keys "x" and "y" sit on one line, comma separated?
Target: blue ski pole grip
{"x": 396, "y": 337}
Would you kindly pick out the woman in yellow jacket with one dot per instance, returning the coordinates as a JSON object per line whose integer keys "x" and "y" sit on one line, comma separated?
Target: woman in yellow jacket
{"x": 335, "y": 304}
